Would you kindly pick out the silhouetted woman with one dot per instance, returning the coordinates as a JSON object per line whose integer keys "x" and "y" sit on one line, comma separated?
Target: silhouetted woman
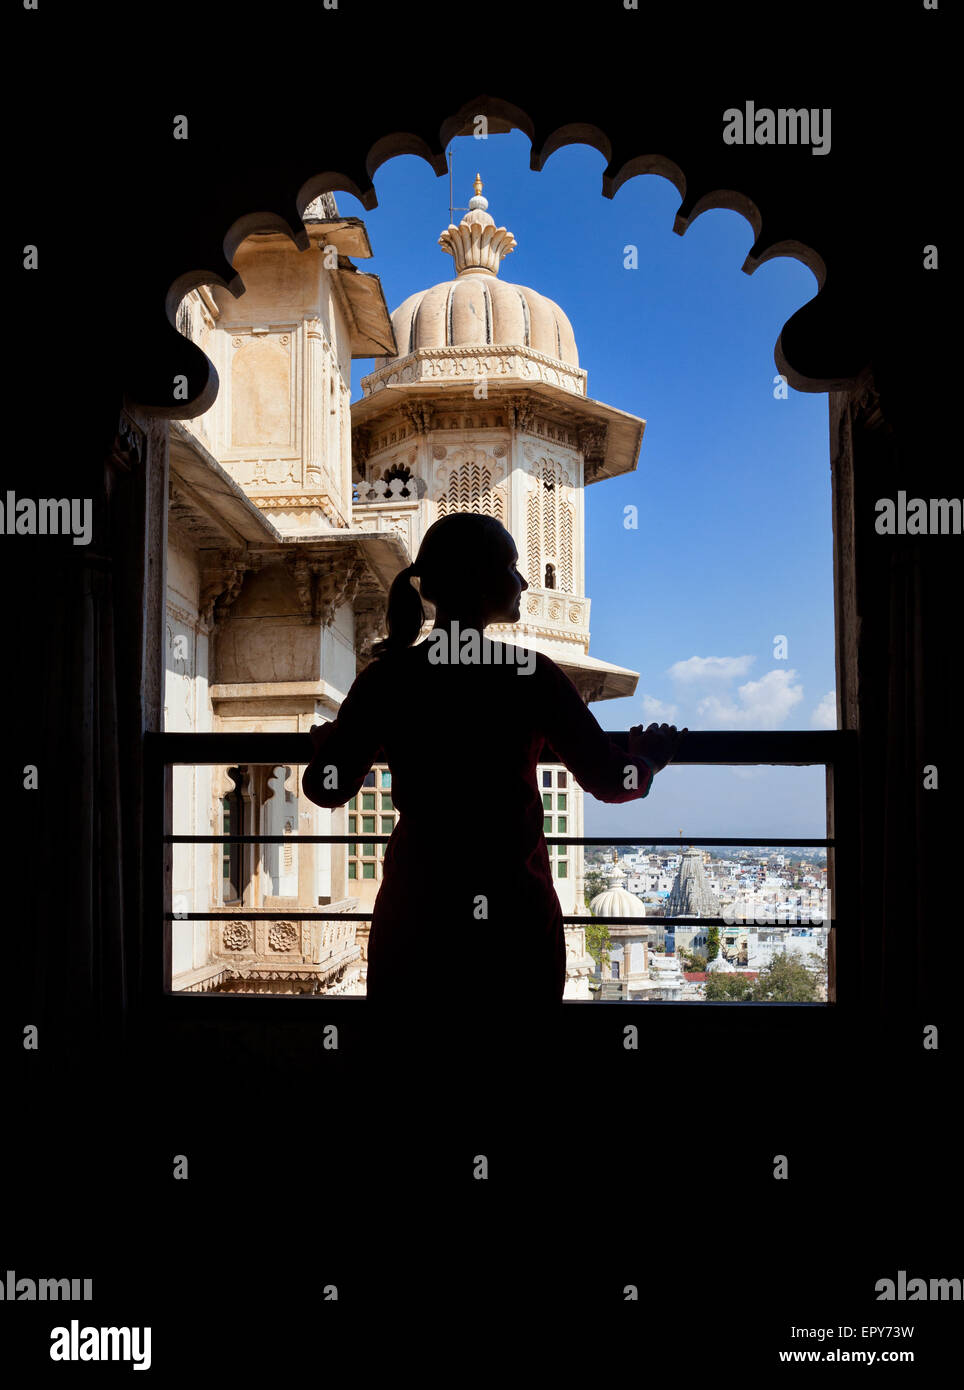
{"x": 467, "y": 918}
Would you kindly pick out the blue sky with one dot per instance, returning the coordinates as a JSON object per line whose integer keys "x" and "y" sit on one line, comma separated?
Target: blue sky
{"x": 734, "y": 546}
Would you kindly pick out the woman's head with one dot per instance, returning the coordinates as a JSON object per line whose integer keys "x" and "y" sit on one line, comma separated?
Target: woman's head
{"x": 466, "y": 567}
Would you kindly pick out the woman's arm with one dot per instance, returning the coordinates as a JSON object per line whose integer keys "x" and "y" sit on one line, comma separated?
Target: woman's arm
{"x": 345, "y": 748}
{"x": 598, "y": 764}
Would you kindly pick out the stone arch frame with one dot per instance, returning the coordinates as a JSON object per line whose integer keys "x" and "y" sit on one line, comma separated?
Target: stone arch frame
{"x": 696, "y": 198}
{"x": 839, "y": 342}
{"x": 848, "y": 361}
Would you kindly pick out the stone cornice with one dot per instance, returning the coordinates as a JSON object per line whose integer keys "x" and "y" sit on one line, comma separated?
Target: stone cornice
{"x": 291, "y": 501}
{"x": 477, "y": 361}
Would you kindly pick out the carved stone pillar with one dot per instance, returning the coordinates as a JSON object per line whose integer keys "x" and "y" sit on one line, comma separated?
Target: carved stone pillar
{"x": 315, "y": 408}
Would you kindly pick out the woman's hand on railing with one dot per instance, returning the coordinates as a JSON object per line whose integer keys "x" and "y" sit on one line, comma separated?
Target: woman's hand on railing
{"x": 658, "y": 743}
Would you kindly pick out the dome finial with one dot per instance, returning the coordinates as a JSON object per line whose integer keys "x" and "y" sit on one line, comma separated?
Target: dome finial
{"x": 476, "y": 244}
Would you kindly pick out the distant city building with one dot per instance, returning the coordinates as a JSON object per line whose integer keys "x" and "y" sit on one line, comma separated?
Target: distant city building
{"x": 629, "y": 955}
{"x": 691, "y": 895}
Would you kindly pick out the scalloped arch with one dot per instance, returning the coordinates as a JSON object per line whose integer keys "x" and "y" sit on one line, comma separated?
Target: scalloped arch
{"x": 577, "y": 133}
{"x": 502, "y": 116}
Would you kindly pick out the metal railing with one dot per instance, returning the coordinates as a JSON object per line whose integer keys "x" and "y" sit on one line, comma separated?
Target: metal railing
{"x": 834, "y": 749}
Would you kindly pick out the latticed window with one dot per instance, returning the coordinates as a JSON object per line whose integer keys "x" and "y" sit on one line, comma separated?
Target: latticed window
{"x": 550, "y": 521}
{"x": 469, "y": 489}
{"x": 371, "y": 812}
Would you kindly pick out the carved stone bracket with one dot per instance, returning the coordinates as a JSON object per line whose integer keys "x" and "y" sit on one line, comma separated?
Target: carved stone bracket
{"x": 592, "y": 443}
{"x": 336, "y": 589}
{"x": 369, "y": 628}
{"x": 323, "y": 584}
{"x": 221, "y": 580}
{"x": 127, "y": 452}
{"x": 521, "y": 412}
{"x": 224, "y": 781}
{"x": 129, "y": 444}
{"x": 420, "y": 415}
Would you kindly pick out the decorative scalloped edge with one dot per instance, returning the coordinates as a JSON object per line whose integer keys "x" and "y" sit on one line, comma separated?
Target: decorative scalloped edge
{"x": 503, "y": 116}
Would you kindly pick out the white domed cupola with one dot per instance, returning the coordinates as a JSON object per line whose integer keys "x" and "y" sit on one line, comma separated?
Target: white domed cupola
{"x": 477, "y": 309}
{"x": 483, "y": 408}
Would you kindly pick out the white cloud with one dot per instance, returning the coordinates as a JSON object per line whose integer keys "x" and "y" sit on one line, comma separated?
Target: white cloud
{"x": 762, "y": 704}
{"x": 825, "y": 714}
{"x": 703, "y": 668}
{"x": 655, "y": 711}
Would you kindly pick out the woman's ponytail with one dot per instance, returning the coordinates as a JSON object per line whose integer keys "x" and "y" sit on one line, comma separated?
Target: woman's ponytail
{"x": 404, "y": 616}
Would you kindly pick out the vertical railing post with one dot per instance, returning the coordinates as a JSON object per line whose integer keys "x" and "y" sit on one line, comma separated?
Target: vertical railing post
{"x": 167, "y": 876}
{"x": 154, "y": 961}
{"x": 843, "y": 867}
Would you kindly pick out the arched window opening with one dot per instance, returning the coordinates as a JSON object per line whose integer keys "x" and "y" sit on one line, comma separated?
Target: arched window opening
{"x": 402, "y": 471}
{"x": 232, "y": 823}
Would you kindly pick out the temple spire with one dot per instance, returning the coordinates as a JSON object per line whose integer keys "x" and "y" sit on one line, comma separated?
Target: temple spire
{"x": 691, "y": 895}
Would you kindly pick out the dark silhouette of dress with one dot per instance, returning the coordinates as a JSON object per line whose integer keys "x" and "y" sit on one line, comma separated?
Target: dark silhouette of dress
{"x": 467, "y": 917}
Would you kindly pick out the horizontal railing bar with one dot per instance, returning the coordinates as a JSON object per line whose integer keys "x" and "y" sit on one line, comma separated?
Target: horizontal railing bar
{"x": 550, "y": 840}
{"x": 278, "y": 915}
{"x": 781, "y": 747}
{"x": 688, "y": 840}
{"x": 703, "y": 921}
{"x": 281, "y": 915}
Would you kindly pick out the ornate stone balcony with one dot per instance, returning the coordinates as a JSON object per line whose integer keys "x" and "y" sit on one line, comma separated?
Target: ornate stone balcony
{"x": 286, "y": 956}
{"x": 397, "y": 490}
{"x": 381, "y": 506}
{"x": 555, "y": 613}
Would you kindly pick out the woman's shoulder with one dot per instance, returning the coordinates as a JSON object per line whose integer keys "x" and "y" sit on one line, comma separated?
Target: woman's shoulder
{"x": 384, "y": 666}
{"x": 372, "y": 674}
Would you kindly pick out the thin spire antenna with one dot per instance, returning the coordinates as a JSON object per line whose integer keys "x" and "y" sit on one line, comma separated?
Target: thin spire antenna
{"x": 451, "y": 161}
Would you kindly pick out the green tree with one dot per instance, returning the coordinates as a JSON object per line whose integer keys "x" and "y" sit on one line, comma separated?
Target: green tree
{"x": 728, "y": 988}
{"x": 785, "y": 980}
{"x": 598, "y": 941}
{"x": 818, "y": 968}
{"x": 712, "y": 943}
{"x": 694, "y": 961}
